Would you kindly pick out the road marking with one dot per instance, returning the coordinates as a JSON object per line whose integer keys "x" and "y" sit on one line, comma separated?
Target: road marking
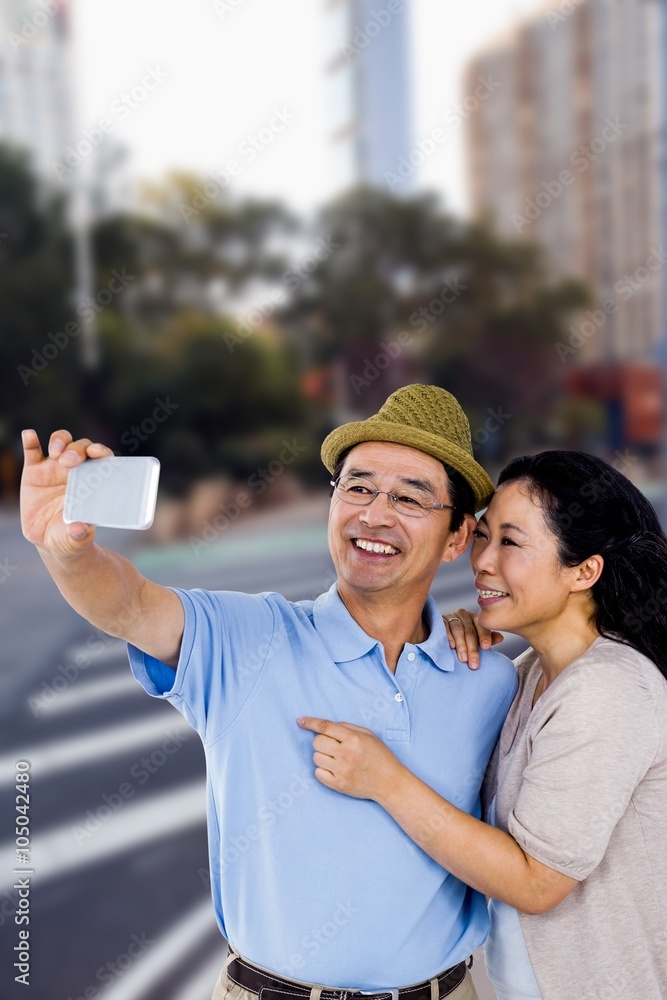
{"x": 99, "y": 689}
{"x": 166, "y": 954}
{"x": 57, "y": 851}
{"x": 202, "y": 984}
{"x": 80, "y": 751}
{"x": 113, "y": 649}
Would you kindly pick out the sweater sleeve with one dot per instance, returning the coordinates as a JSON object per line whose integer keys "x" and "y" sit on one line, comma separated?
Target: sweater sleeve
{"x": 593, "y": 739}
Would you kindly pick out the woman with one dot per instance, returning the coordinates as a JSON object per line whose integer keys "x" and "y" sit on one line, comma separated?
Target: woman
{"x": 570, "y": 556}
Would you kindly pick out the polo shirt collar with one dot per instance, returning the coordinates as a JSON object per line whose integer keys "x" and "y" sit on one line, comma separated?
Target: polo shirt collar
{"x": 345, "y": 639}
{"x": 437, "y": 646}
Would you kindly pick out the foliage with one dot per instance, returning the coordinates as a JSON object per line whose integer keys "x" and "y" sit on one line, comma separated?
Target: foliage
{"x": 35, "y": 281}
{"x": 475, "y": 314}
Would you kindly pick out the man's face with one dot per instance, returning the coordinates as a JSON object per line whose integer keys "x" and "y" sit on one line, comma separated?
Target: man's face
{"x": 418, "y": 544}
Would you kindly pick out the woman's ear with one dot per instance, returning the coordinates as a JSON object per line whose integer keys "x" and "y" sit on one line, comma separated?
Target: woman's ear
{"x": 460, "y": 539}
{"x": 588, "y": 573}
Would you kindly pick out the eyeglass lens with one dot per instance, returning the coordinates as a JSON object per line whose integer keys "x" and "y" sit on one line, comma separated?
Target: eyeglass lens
{"x": 405, "y": 499}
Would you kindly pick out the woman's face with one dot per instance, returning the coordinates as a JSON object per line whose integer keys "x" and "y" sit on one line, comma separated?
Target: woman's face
{"x": 522, "y": 586}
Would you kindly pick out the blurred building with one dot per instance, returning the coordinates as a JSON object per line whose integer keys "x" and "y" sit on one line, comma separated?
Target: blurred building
{"x": 35, "y": 85}
{"x": 367, "y": 89}
{"x": 567, "y": 154}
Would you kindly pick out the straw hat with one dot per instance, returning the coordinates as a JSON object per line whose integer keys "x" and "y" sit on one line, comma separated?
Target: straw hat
{"x": 425, "y": 417}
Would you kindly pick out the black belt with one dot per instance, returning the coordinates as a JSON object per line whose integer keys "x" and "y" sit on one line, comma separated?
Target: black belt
{"x": 270, "y": 987}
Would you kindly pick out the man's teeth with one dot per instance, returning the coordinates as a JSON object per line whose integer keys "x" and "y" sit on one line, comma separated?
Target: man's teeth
{"x": 492, "y": 593}
{"x": 361, "y": 543}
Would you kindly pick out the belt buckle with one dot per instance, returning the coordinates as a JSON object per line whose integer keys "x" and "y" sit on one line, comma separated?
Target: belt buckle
{"x": 383, "y": 993}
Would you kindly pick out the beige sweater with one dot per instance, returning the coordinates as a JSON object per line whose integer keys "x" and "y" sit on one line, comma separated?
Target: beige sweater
{"x": 581, "y": 785}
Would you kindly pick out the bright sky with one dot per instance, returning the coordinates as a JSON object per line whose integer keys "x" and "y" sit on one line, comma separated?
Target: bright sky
{"x": 228, "y": 71}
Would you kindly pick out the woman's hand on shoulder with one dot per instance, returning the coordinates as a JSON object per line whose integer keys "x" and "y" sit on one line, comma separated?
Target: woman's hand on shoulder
{"x": 467, "y": 636}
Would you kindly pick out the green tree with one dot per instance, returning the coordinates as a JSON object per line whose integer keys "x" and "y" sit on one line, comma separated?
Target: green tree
{"x": 185, "y": 258}
{"x": 476, "y": 314}
{"x": 218, "y": 409}
{"x": 37, "y": 377}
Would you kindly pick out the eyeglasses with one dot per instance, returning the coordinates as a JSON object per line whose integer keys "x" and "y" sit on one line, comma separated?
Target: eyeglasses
{"x": 407, "y": 500}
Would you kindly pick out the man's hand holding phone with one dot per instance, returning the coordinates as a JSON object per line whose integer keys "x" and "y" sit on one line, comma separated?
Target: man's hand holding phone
{"x": 43, "y": 488}
{"x": 107, "y": 491}
{"x": 100, "y": 584}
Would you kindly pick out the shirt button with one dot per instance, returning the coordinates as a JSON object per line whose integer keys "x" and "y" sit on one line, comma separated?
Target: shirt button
{"x": 398, "y": 697}
{"x": 411, "y": 656}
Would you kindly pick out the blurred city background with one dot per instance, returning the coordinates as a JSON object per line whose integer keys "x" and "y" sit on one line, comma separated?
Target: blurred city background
{"x": 225, "y": 229}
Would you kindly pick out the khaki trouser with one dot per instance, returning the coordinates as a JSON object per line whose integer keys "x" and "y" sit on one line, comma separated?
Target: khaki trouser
{"x": 225, "y": 989}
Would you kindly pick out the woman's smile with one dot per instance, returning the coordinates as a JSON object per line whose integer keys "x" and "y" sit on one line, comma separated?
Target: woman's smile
{"x": 486, "y": 597}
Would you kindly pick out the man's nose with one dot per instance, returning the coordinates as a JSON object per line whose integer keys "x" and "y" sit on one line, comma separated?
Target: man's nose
{"x": 379, "y": 511}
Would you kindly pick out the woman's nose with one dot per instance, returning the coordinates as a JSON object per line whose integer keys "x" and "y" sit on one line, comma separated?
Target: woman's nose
{"x": 482, "y": 556}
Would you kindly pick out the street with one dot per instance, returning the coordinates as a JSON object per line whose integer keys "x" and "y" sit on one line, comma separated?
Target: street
{"x": 119, "y": 902}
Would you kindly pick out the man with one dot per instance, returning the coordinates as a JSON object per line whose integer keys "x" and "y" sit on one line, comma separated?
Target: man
{"x": 309, "y": 886}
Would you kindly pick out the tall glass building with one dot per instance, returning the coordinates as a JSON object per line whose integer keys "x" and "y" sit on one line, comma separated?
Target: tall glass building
{"x": 35, "y": 84}
{"x": 367, "y": 89}
{"x": 566, "y": 154}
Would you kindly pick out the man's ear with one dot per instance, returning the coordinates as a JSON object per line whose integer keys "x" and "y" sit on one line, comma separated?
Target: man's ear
{"x": 459, "y": 540}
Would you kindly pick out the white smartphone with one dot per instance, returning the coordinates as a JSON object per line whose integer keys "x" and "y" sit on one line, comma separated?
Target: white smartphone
{"x": 113, "y": 492}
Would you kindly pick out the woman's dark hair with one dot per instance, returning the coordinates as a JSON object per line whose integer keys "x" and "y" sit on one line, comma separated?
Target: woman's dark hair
{"x": 461, "y": 495}
{"x": 594, "y": 510}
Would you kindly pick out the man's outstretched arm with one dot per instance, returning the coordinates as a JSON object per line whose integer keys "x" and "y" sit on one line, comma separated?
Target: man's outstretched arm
{"x": 100, "y": 585}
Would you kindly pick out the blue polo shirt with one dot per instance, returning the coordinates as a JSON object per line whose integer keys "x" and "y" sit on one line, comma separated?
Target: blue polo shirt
{"x": 306, "y": 882}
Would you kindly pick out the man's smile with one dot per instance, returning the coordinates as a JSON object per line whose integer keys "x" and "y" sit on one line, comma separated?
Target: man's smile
{"x": 374, "y": 547}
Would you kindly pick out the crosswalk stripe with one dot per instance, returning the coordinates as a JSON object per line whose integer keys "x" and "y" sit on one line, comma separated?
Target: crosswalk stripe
{"x": 96, "y": 689}
{"x": 80, "y": 751}
{"x": 166, "y": 954}
{"x": 113, "y": 649}
{"x": 63, "y": 849}
{"x": 201, "y": 985}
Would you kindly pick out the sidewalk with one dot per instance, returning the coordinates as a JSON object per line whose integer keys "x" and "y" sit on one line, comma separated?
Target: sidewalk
{"x": 293, "y": 528}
